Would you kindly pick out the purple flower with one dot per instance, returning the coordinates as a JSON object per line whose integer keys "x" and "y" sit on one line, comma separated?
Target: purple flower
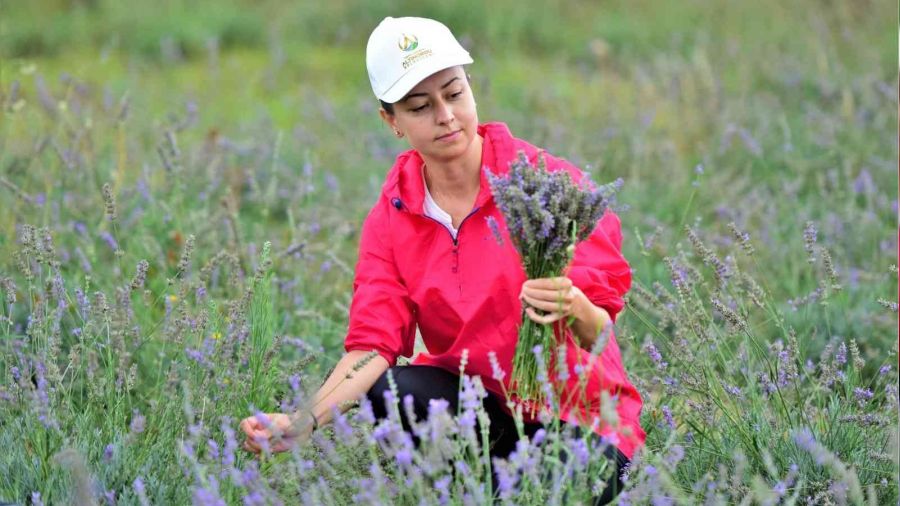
{"x": 331, "y": 182}
{"x": 780, "y": 489}
{"x": 437, "y": 407}
{"x": 187, "y": 448}
{"x": 342, "y": 426}
{"x": 840, "y": 357}
{"x": 443, "y": 486}
{"x": 661, "y": 500}
{"x": 733, "y": 390}
{"x": 381, "y": 431}
{"x": 863, "y": 182}
{"x": 611, "y": 439}
{"x": 140, "y": 490}
{"x": 675, "y": 455}
{"x": 768, "y": 387}
{"x": 580, "y": 449}
{"x": 678, "y": 275}
{"x": 469, "y": 397}
{"x": 365, "y": 413}
{"x": 804, "y": 439}
{"x": 539, "y": 437}
{"x": 85, "y": 263}
{"x": 467, "y": 419}
{"x": 108, "y": 453}
{"x": 404, "y": 457}
{"x": 138, "y": 422}
{"x": 506, "y": 481}
{"x": 497, "y": 372}
{"x": 263, "y": 419}
{"x": 110, "y": 240}
{"x": 253, "y": 498}
{"x": 667, "y": 414}
{"x": 862, "y": 394}
{"x": 294, "y": 382}
{"x": 230, "y": 443}
{"x": 885, "y": 369}
{"x": 80, "y": 228}
{"x": 495, "y": 229}
{"x": 84, "y": 304}
{"x": 250, "y": 475}
{"x": 207, "y": 497}
{"x": 655, "y": 356}
{"x": 193, "y": 354}
{"x": 43, "y": 397}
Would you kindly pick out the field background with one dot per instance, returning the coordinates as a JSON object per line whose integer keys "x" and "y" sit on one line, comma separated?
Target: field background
{"x": 239, "y": 123}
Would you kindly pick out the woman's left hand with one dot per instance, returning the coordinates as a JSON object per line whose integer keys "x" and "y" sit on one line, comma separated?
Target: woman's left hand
{"x": 558, "y": 297}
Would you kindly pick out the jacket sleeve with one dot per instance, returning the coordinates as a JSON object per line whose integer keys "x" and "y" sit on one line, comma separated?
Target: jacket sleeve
{"x": 598, "y": 268}
{"x": 381, "y": 312}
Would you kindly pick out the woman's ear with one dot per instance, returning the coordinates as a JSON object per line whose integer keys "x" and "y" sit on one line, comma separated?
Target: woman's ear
{"x": 391, "y": 121}
{"x": 385, "y": 116}
{"x": 388, "y": 118}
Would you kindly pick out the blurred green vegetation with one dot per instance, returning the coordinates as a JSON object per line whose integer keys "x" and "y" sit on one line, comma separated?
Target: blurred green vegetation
{"x": 264, "y": 108}
{"x": 781, "y": 103}
{"x": 642, "y": 90}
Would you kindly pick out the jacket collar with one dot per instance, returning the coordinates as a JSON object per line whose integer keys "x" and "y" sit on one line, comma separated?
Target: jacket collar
{"x": 405, "y": 188}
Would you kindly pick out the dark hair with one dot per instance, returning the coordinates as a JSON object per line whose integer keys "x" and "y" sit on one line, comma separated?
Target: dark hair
{"x": 389, "y": 108}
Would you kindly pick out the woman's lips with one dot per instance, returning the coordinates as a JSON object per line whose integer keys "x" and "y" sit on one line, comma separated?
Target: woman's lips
{"x": 450, "y": 137}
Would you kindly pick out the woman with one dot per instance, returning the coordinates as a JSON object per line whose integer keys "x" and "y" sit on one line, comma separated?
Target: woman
{"x": 428, "y": 258}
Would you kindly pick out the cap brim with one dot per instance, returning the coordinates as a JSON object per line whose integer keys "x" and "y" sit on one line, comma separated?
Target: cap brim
{"x": 419, "y": 73}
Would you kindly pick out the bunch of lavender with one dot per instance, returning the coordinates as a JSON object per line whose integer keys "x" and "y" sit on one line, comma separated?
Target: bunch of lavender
{"x": 546, "y": 215}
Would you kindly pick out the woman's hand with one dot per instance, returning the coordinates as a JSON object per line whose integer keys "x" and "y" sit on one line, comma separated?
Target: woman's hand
{"x": 275, "y": 431}
{"x": 557, "y": 297}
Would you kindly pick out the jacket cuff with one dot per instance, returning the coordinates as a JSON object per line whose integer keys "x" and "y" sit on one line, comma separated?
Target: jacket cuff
{"x": 596, "y": 286}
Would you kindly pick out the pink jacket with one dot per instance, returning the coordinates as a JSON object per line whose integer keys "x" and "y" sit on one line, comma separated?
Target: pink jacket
{"x": 463, "y": 294}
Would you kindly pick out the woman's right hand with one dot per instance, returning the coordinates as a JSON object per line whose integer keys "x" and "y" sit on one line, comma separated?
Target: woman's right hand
{"x": 262, "y": 429}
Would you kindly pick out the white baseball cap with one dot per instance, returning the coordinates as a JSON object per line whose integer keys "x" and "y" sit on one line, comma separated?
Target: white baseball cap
{"x": 404, "y": 51}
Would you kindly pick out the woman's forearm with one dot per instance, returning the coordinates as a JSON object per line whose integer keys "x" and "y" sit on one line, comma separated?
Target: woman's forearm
{"x": 338, "y": 388}
{"x": 589, "y": 321}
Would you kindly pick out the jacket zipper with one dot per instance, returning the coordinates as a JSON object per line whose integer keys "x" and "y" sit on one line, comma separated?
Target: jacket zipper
{"x": 458, "y": 229}
{"x": 455, "y": 268}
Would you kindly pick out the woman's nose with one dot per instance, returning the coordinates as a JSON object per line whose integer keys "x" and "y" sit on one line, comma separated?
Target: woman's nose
{"x": 444, "y": 113}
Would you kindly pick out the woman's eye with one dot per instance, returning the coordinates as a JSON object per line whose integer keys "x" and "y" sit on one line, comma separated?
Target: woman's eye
{"x": 456, "y": 95}
{"x": 420, "y": 108}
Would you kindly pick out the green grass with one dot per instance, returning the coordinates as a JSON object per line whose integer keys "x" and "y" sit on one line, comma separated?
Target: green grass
{"x": 787, "y": 107}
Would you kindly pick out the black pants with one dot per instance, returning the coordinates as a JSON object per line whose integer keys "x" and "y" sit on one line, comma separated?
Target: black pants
{"x": 426, "y": 382}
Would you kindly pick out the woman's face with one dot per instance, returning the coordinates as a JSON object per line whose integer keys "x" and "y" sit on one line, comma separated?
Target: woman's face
{"x": 438, "y": 115}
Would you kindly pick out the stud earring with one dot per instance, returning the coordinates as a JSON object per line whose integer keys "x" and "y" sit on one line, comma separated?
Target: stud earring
{"x": 398, "y": 133}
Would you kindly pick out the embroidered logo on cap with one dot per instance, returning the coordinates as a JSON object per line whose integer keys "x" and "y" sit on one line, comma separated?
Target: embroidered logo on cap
{"x": 407, "y": 42}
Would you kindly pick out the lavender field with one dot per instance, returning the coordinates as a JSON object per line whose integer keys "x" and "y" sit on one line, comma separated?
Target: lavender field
{"x": 183, "y": 186}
